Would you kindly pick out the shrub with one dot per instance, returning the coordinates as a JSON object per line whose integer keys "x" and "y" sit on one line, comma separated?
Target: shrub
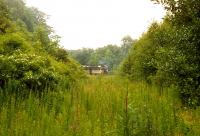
{"x": 13, "y": 42}
{"x": 31, "y": 70}
{"x": 167, "y": 55}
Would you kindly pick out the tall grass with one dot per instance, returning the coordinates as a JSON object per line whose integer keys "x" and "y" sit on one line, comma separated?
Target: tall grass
{"x": 98, "y": 106}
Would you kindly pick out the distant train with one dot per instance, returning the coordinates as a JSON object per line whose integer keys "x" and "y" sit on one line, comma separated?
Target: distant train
{"x": 96, "y": 70}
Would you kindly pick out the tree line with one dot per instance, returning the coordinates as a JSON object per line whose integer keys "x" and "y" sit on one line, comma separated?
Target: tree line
{"x": 168, "y": 53}
{"x": 110, "y": 55}
{"x": 30, "y": 55}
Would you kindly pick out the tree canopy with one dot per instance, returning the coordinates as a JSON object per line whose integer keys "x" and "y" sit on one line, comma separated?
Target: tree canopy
{"x": 110, "y": 55}
{"x": 30, "y": 55}
{"x": 168, "y": 53}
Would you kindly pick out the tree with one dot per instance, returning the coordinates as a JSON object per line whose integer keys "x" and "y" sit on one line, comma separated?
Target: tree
{"x": 110, "y": 55}
{"x": 82, "y": 55}
{"x": 127, "y": 42}
{"x": 168, "y": 53}
{"x": 30, "y": 55}
{"x": 5, "y": 22}
{"x": 185, "y": 17}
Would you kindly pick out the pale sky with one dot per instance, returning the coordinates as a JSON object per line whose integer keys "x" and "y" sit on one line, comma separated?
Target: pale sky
{"x": 97, "y": 23}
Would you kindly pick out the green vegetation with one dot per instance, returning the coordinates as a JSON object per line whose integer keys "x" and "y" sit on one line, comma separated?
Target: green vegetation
{"x": 30, "y": 55}
{"x": 104, "y": 105}
{"x": 110, "y": 55}
{"x": 43, "y": 92}
{"x": 168, "y": 53}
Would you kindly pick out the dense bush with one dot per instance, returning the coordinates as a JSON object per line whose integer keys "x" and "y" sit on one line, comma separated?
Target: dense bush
{"x": 30, "y": 55}
{"x": 168, "y": 53}
{"x": 12, "y": 42}
{"x": 30, "y": 70}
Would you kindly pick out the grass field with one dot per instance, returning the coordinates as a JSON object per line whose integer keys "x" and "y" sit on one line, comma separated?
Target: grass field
{"x": 99, "y": 106}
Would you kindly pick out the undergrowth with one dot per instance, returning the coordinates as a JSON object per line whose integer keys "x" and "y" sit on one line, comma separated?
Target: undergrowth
{"x": 98, "y": 106}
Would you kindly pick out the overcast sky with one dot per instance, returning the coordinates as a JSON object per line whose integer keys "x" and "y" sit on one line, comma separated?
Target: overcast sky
{"x": 96, "y": 23}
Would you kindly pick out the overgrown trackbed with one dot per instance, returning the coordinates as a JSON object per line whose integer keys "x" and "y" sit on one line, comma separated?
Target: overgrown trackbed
{"x": 99, "y": 106}
{"x": 110, "y": 105}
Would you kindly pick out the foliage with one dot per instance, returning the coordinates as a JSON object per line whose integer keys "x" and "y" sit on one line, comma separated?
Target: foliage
{"x": 12, "y": 42}
{"x": 29, "y": 70}
{"x": 30, "y": 55}
{"x": 168, "y": 53}
{"x": 110, "y": 55}
{"x": 82, "y": 55}
{"x": 106, "y": 105}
